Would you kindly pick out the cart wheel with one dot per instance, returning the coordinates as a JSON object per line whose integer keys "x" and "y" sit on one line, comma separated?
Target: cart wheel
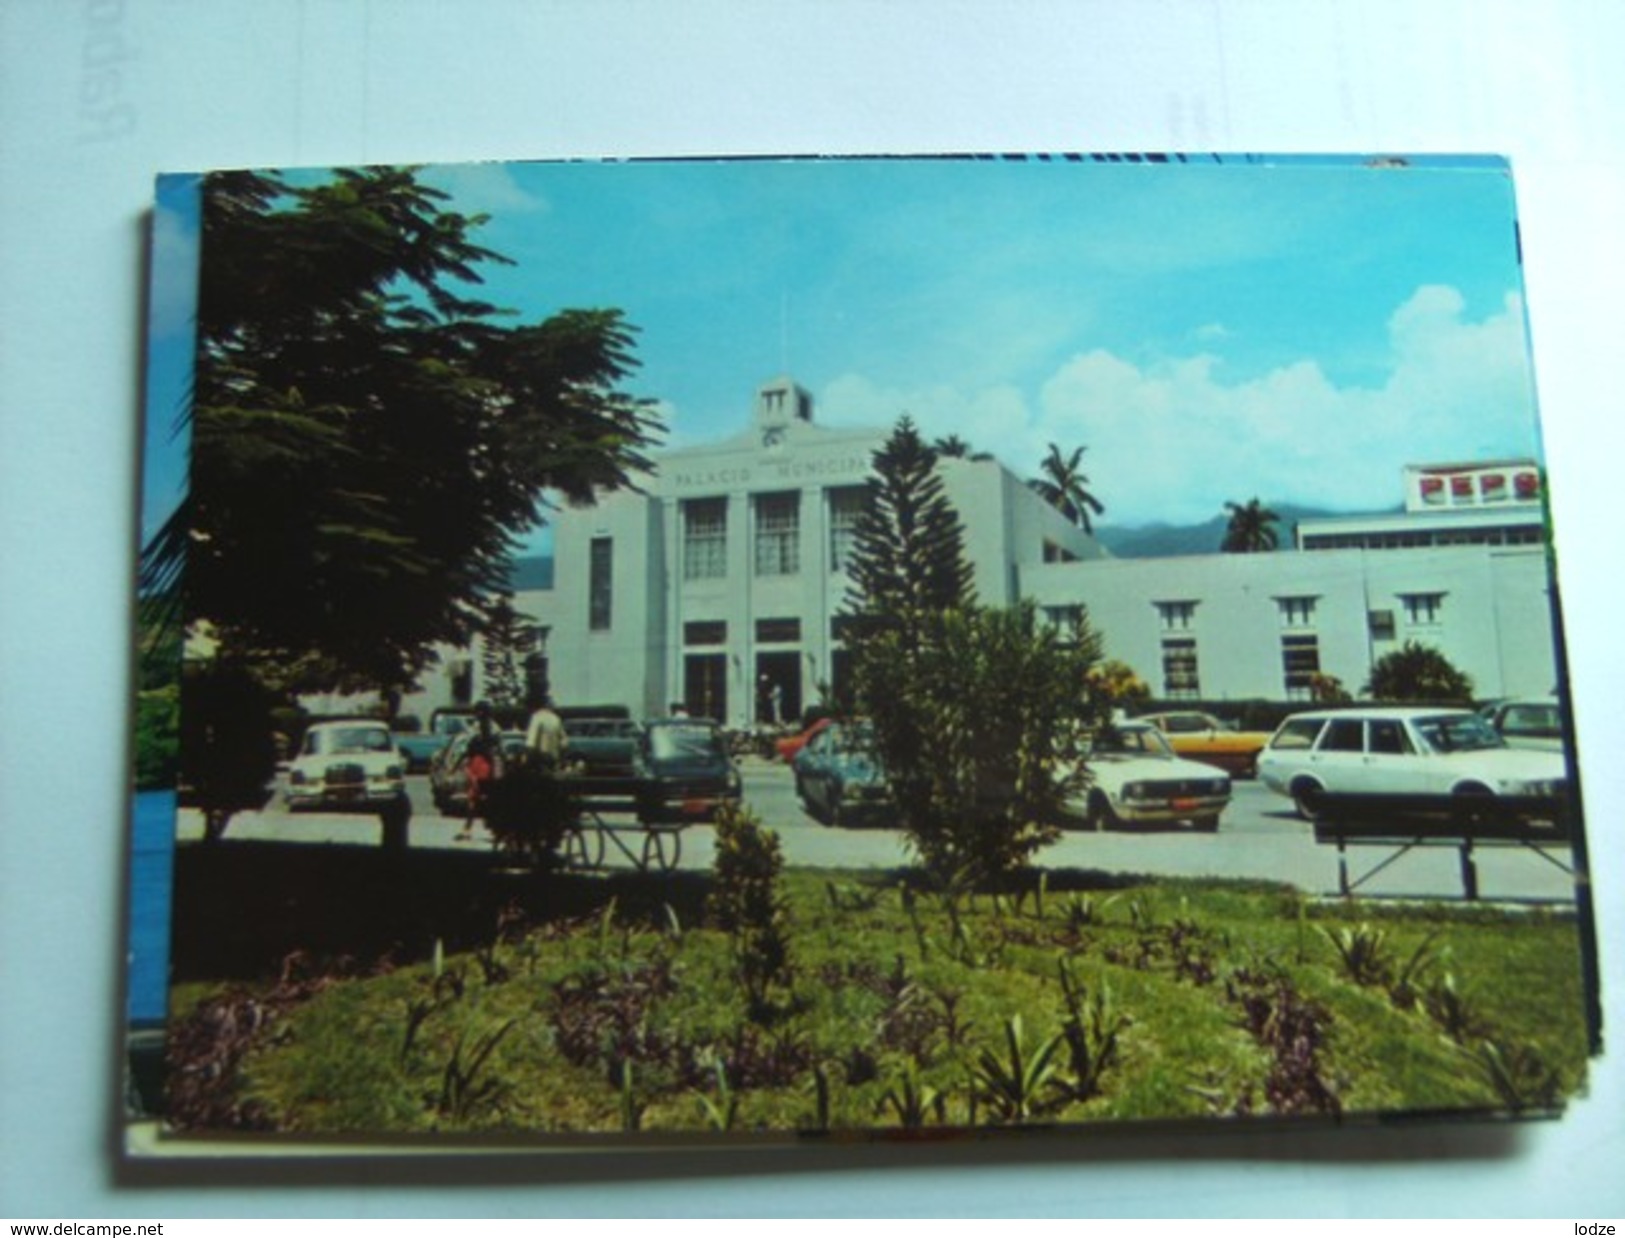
{"x": 661, "y": 849}
{"x": 584, "y": 844}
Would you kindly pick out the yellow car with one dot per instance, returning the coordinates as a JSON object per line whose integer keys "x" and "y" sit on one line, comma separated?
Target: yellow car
{"x": 1202, "y": 737}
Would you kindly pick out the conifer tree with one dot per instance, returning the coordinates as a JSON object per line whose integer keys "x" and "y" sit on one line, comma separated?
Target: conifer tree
{"x": 908, "y": 559}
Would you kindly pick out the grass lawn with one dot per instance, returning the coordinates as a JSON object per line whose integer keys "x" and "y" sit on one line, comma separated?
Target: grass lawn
{"x": 891, "y": 1006}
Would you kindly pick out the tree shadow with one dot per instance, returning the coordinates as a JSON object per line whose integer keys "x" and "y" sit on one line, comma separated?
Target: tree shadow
{"x": 240, "y": 909}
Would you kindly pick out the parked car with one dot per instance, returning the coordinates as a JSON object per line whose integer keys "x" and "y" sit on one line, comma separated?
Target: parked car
{"x": 1202, "y": 737}
{"x": 602, "y": 747}
{"x": 448, "y": 776}
{"x": 789, "y": 746}
{"x": 837, "y": 775}
{"x": 419, "y": 748}
{"x": 685, "y": 770}
{"x": 1401, "y": 751}
{"x": 1530, "y": 723}
{"x": 349, "y": 765}
{"x": 1135, "y": 777}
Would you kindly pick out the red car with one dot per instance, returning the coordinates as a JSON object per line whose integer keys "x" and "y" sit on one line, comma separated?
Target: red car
{"x": 788, "y": 747}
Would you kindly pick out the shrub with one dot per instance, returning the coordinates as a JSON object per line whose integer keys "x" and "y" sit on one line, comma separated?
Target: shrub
{"x": 979, "y": 726}
{"x": 746, "y": 903}
{"x": 1418, "y": 672}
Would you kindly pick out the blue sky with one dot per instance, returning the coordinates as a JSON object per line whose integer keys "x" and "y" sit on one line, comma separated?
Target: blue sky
{"x": 1294, "y": 330}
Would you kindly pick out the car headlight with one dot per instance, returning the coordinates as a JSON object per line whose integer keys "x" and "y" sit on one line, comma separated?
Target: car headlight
{"x": 394, "y": 772}
{"x": 1133, "y": 790}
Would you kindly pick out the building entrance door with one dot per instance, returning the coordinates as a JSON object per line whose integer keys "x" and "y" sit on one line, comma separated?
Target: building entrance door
{"x": 705, "y": 686}
{"x": 778, "y": 688}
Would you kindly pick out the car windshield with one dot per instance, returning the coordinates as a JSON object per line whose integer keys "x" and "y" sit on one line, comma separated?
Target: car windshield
{"x": 356, "y": 739}
{"x": 684, "y": 742}
{"x": 1131, "y": 742}
{"x": 854, "y": 739}
{"x": 1458, "y": 733}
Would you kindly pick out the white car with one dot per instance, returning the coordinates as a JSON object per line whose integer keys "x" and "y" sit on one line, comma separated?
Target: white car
{"x": 1135, "y": 777}
{"x": 1401, "y": 751}
{"x": 351, "y": 765}
{"x": 1535, "y": 723}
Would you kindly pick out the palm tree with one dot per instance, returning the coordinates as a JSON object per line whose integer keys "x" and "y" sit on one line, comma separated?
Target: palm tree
{"x": 952, "y": 446}
{"x": 1062, "y": 485}
{"x": 1251, "y": 529}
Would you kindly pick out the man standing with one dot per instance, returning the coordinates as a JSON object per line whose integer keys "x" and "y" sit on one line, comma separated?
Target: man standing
{"x": 545, "y": 735}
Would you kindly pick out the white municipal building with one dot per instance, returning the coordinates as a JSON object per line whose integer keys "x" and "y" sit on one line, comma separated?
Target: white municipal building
{"x": 721, "y": 584}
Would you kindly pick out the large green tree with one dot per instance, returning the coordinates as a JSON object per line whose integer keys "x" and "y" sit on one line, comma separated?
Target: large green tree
{"x": 369, "y": 439}
{"x": 1062, "y": 484}
{"x": 1251, "y": 529}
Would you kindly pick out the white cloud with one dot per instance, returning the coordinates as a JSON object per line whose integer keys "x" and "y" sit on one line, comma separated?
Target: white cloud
{"x": 483, "y": 188}
{"x": 1173, "y": 440}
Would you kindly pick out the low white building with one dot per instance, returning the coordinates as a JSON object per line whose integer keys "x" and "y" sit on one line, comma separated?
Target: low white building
{"x": 720, "y": 584}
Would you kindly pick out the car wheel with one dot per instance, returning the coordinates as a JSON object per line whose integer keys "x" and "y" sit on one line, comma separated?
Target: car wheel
{"x": 1309, "y": 798}
{"x": 1101, "y": 814}
{"x": 1208, "y": 825}
{"x": 837, "y": 813}
{"x": 1473, "y": 803}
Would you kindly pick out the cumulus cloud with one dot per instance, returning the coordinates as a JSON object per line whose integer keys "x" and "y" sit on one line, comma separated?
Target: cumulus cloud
{"x": 484, "y": 188}
{"x": 1174, "y": 439}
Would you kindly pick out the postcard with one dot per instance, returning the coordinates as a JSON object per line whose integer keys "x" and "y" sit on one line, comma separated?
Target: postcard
{"x": 757, "y": 649}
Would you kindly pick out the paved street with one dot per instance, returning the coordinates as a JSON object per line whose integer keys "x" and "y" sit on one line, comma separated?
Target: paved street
{"x": 1259, "y": 838}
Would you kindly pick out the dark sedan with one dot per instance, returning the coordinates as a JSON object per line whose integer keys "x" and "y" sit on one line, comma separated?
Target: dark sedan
{"x": 684, "y": 770}
{"x": 837, "y": 776}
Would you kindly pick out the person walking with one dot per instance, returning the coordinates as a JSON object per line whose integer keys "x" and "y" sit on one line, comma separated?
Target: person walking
{"x": 480, "y": 765}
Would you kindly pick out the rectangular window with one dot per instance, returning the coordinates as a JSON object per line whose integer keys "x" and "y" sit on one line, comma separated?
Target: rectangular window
{"x": 705, "y": 632}
{"x": 846, "y": 505}
{"x": 782, "y": 631}
{"x": 600, "y": 586}
{"x": 1176, "y": 616}
{"x": 1382, "y": 624}
{"x": 1422, "y": 609}
{"x": 1064, "y": 619}
{"x": 778, "y": 534}
{"x": 1180, "y": 680}
{"x": 1300, "y": 662}
{"x": 1297, "y": 612}
{"x": 705, "y": 539}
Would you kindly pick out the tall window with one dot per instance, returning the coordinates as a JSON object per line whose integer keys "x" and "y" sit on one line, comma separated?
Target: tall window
{"x": 600, "y": 586}
{"x": 1180, "y": 680}
{"x": 1176, "y": 616}
{"x": 1298, "y": 612}
{"x": 705, "y": 539}
{"x": 845, "y": 506}
{"x": 778, "y": 534}
{"x": 1300, "y": 663}
{"x": 1422, "y": 609}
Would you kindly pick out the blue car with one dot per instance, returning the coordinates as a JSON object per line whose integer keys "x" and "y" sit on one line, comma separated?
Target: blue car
{"x": 838, "y": 777}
